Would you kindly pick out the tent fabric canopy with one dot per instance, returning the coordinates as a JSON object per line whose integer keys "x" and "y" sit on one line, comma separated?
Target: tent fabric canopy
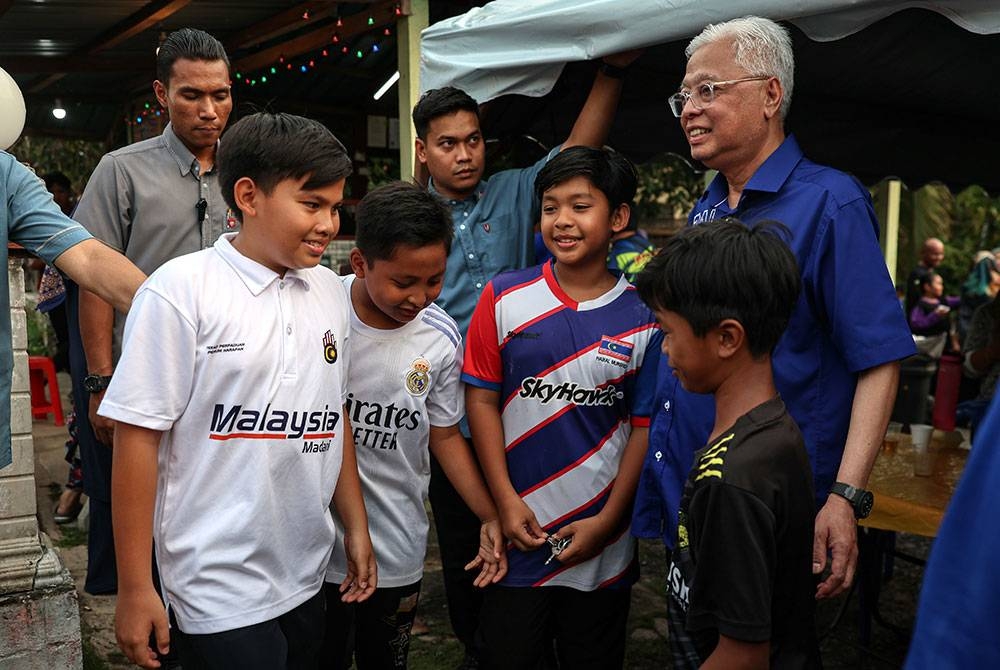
{"x": 882, "y": 87}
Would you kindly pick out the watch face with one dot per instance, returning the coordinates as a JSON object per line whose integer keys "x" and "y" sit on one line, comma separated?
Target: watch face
{"x": 865, "y": 504}
{"x": 95, "y": 383}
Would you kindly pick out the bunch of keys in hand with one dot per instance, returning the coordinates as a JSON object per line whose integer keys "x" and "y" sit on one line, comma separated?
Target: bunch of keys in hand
{"x": 557, "y": 545}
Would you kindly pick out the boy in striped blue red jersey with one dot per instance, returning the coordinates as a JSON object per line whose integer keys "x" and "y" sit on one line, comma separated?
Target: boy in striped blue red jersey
{"x": 557, "y": 398}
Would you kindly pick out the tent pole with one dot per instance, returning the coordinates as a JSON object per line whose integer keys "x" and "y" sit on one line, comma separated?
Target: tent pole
{"x": 408, "y": 30}
{"x": 890, "y": 227}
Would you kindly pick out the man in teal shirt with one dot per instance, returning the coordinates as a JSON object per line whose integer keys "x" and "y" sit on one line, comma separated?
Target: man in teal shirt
{"x": 32, "y": 219}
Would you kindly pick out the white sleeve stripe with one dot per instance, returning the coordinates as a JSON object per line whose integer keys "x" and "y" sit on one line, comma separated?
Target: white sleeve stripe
{"x": 450, "y": 332}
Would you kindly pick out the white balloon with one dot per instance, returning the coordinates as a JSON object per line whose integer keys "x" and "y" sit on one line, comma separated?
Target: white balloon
{"x": 11, "y": 110}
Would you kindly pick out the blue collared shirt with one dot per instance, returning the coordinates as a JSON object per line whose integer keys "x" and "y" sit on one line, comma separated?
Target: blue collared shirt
{"x": 847, "y": 318}
{"x": 494, "y": 232}
{"x": 33, "y": 220}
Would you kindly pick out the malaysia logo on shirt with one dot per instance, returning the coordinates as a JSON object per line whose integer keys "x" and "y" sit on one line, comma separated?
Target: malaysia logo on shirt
{"x": 615, "y": 348}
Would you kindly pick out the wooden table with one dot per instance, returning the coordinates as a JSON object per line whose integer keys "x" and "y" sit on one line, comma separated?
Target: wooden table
{"x": 904, "y": 503}
{"x": 909, "y": 504}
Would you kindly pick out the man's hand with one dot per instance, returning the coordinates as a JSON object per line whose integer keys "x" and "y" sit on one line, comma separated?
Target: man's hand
{"x": 836, "y": 532}
{"x": 520, "y": 525}
{"x": 492, "y": 558}
{"x": 137, "y": 614}
{"x": 623, "y": 58}
{"x": 588, "y": 535}
{"x": 104, "y": 428}
{"x": 361, "y": 577}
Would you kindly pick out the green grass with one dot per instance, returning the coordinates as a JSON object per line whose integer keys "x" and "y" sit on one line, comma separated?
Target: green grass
{"x": 91, "y": 659}
{"x": 72, "y": 536}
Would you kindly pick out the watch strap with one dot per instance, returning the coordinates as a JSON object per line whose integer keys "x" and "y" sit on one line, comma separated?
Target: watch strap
{"x": 613, "y": 71}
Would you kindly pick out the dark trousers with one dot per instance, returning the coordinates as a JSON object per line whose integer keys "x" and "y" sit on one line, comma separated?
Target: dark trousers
{"x": 518, "y": 626}
{"x": 289, "y": 642}
{"x": 376, "y": 632}
{"x": 458, "y": 540}
{"x": 95, "y": 459}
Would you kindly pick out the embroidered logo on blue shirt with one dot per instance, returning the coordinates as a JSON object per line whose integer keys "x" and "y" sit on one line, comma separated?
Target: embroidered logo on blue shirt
{"x": 615, "y": 348}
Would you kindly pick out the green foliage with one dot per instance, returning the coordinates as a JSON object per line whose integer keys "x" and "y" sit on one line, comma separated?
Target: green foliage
{"x": 382, "y": 170}
{"x": 41, "y": 337}
{"x": 74, "y": 158}
{"x": 668, "y": 189}
{"x": 967, "y": 222}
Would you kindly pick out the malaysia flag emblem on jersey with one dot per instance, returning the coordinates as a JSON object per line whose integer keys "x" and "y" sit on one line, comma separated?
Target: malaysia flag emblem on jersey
{"x": 615, "y": 348}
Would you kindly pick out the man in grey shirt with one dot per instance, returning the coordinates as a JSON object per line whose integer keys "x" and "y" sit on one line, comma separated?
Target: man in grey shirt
{"x": 153, "y": 201}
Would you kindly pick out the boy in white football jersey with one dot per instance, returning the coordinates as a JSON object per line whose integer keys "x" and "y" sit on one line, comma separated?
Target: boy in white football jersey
{"x": 404, "y": 396}
{"x": 232, "y": 437}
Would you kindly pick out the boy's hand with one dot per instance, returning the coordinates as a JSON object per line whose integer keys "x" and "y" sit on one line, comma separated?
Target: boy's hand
{"x": 520, "y": 525}
{"x": 623, "y": 58}
{"x": 362, "y": 576}
{"x": 137, "y": 614}
{"x": 588, "y": 535}
{"x": 492, "y": 558}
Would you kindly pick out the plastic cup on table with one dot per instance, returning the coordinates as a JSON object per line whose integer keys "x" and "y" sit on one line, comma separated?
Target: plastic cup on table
{"x": 892, "y": 435}
{"x": 920, "y": 435}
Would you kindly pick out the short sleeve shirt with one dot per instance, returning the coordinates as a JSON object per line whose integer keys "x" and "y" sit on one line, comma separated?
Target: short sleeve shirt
{"x": 494, "y": 232}
{"x": 572, "y": 381}
{"x": 847, "y": 318}
{"x": 405, "y": 380}
{"x": 143, "y": 200}
{"x": 30, "y": 218}
{"x": 742, "y": 564}
{"x": 244, "y": 373}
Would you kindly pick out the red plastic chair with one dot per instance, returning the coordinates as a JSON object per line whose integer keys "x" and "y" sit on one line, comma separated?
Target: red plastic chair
{"x": 42, "y": 370}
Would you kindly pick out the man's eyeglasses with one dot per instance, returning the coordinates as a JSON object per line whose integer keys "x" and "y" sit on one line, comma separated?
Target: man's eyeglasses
{"x": 703, "y": 94}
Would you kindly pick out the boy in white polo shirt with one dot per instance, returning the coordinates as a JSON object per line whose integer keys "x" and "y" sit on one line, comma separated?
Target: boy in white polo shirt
{"x": 403, "y": 396}
{"x": 232, "y": 438}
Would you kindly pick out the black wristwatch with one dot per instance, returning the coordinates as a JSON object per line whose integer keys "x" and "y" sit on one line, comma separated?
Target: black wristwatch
{"x": 860, "y": 499}
{"x": 96, "y": 383}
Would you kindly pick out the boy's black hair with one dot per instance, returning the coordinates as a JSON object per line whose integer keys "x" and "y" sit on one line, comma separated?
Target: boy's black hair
{"x": 270, "y": 148}
{"x": 609, "y": 171}
{"x": 400, "y": 214}
{"x": 440, "y": 102}
{"x": 726, "y": 270}
{"x": 58, "y": 179}
{"x": 189, "y": 43}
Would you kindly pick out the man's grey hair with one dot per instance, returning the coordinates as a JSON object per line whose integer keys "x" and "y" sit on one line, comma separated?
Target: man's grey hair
{"x": 760, "y": 46}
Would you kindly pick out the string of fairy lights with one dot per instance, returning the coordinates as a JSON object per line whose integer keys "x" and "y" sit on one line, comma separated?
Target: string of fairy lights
{"x": 339, "y": 48}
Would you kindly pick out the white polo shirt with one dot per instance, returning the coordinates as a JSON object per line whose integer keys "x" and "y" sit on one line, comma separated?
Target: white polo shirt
{"x": 243, "y": 371}
{"x": 402, "y": 381}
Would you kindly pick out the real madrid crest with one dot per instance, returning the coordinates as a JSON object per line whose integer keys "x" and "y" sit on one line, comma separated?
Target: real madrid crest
{"x": 418, "y": 377}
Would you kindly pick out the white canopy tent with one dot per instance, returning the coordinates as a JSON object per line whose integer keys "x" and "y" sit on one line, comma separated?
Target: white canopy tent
{"x": 883, "y": 87}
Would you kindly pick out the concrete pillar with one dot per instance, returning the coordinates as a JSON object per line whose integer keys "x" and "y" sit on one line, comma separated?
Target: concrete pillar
{"x": 415, "y": 18}
{"x": 39, "y": 611}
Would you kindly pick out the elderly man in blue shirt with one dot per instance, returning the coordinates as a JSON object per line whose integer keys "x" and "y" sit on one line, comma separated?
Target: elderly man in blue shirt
{"x": 837, "y": 365}
{"x": 494, "y": 223}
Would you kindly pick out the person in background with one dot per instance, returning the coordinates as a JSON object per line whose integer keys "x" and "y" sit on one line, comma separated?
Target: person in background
{"x": 630, "y": 250}
{"x": 979, "y": 288}
{"x": 931, "y": 256}
{"x": 930, "y": 319}
{"x": 153, "y": 201}
{"x": 981, "y": 354}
